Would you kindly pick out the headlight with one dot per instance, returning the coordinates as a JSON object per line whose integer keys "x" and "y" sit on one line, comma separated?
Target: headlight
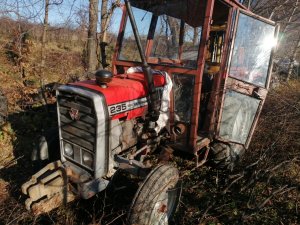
{"x": 87, "y": 159}
{"x": 68, "y": 149}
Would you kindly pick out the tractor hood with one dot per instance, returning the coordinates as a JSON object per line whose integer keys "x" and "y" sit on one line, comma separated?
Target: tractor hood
{"x": 123, "y": 89}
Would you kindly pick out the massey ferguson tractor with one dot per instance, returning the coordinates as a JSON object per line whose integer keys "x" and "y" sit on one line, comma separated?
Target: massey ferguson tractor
{"x": 187, "y": 75}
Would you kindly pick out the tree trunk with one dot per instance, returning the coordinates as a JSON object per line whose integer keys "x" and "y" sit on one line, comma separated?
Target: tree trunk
{"x": 288, "y": 21}
{"x": 43, "y": 52}
{"x": 196, "y": 36}
{"x": 104, "y": 18}
{"x": 92, "y": 36}
{"x": 249, "y": 4}
{"x": 174, "y": 30}
{"x": 106, "y": 15}
{"x": 44, "y": 37}
{"x": 292, "y": 60}
{"x": 103, "y": 32}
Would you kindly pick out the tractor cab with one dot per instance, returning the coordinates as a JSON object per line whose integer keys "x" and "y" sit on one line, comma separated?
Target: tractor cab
{"x": 218, "y": 56}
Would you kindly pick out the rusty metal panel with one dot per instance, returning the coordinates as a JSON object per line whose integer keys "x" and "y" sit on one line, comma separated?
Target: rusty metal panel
{"x": 198, "y": 82}
{"x": 218, "y": 88}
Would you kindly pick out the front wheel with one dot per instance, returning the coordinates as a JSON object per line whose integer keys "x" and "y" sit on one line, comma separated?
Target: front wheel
{"x": 157, "y": 198}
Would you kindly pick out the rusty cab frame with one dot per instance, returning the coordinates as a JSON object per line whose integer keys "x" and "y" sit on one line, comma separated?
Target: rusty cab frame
{"x": 218, "y": 19}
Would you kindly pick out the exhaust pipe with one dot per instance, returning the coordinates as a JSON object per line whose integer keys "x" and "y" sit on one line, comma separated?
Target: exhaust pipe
{"x": 154, "y": 104}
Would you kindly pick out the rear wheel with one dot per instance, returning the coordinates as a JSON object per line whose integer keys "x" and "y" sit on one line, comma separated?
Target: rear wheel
{"x": 226, "y": 156}
{"x": 157, "y": 198}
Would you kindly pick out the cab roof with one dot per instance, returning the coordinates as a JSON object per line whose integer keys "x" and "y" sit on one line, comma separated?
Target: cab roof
{"x": 190, "y": 11}
{"x": 186, "y": 10}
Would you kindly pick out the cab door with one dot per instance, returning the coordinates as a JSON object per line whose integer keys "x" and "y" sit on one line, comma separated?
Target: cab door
{"x": 248, "y": 77}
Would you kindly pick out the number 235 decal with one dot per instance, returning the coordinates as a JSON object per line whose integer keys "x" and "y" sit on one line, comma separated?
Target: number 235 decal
{"x": 126, "y": 106}
{"x": 117, "y": 108}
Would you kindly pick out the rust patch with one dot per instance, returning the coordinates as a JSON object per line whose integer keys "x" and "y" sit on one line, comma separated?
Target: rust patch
{"x": 165, "y": 155}
{"x": 47, "y": 205}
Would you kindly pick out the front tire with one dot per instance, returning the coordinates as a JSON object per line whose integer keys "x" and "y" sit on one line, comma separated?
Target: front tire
{"x": 157, "y": 198}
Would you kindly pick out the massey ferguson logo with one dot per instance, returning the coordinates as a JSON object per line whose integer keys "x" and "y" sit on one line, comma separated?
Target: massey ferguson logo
{"x": 74, "y": 114}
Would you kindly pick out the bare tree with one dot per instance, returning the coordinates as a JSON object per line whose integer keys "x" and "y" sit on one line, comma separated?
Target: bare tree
{"x": 286, "y": 14}
{"x": 44, "y": 36}
{"x": 18, "y": 14}
{"x": 293, "y": 59}
{"x": 82, "y": 23}
{"x": 92, "y": 36}
{"x": 106, "y": 15}
{"x": 196, "y": 35}
{"x": 104, "y": 20}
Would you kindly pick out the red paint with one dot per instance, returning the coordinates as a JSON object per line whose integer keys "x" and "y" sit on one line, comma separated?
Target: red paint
{"x": 123, "y": 88}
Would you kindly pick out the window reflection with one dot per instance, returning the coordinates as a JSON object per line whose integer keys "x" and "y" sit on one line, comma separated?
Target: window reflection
{"x": 166, "y": 38}
{"x": 252, "y": 50}
{"x": 166, "y": 41}
{"x": 192, "y": 37}
{"x": 237, "y": 117}
{"x": 129, "y": 50}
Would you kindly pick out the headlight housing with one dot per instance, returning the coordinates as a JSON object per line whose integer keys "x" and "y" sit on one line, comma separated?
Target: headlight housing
{"x": 68, "y": 150}
{"x": 87, "y": 159}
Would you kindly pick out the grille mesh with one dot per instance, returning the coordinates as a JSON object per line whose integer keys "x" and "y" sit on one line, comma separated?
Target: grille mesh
{"x": 80, "y": 130}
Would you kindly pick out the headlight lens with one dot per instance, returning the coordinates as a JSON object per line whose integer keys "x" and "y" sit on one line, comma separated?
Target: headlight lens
{"x": 87, "y": 159}
{"x": 68, "y": 149}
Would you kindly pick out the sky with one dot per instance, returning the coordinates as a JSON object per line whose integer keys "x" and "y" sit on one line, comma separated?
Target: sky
{"x": 59, "y": 15}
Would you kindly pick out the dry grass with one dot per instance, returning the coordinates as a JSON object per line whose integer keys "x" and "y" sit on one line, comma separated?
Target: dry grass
{"x": 19, "y": 134}
{"x": 279, "y": 127}
{"x": 265, "y": 187}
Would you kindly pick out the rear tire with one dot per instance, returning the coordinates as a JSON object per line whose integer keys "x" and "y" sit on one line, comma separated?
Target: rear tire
{"x": 156, "y": 200}
{"x": 226, "y": 156}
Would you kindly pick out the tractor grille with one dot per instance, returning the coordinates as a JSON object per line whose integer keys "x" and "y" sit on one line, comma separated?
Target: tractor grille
{"x": 78, "y": 124}
{"x": 80, "y": 130}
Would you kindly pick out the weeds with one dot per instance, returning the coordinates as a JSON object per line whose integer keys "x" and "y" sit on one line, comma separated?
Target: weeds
{"x": 264, "y": 188}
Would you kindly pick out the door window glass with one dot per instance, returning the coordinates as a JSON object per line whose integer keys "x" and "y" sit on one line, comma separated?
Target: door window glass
{"x": 238, "y": 115}
{"x": 252, "y": 50}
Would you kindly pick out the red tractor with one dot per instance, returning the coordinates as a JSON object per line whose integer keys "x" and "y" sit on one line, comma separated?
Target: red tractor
{"x": 187, "y": 75}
